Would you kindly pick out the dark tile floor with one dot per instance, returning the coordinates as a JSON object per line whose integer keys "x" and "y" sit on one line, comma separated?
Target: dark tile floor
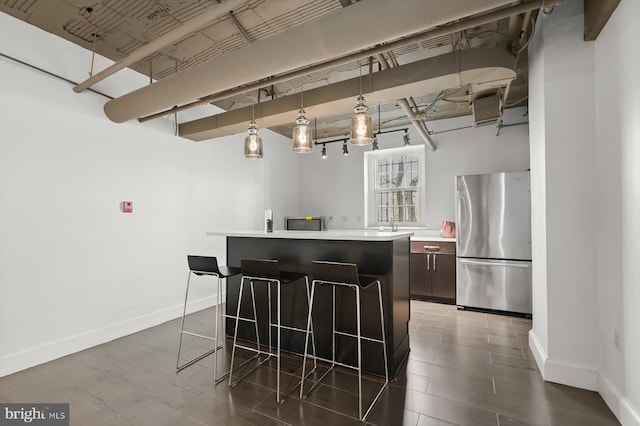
{"x": 465, "y": 368}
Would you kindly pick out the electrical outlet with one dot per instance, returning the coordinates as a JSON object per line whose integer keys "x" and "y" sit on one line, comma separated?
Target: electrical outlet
{"x": 617, "y": 340}
{"x": 344, "y": 218}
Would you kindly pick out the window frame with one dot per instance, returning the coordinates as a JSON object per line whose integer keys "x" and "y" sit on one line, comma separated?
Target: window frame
{"x": 371, "y": 159}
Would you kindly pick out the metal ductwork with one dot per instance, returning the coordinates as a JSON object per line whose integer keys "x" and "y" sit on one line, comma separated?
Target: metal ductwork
{"x": 338, "y": 34}
{"x": 490, "y": 67}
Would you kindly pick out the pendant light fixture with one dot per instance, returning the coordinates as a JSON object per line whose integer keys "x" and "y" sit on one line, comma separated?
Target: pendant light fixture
{"x": 361, "y": 125}
{"x": 253, "y": 142}
{"x": 324, "y": 151}
{"x": 302, "y": 139}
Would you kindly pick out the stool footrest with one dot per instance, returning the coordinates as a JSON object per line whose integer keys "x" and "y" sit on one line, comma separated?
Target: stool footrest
{"x": 317, "y": 381}
{"x": 355, "y": 336}
{"x": 202, "y": 336}
{"x": 232, "y": 384}
{"x": 198, "y": 358}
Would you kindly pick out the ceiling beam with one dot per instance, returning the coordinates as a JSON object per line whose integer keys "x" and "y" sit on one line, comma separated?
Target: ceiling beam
{"x": 596, "y": 16}
{"x": 171, "y": 37}
{"x": 491, "y": 67}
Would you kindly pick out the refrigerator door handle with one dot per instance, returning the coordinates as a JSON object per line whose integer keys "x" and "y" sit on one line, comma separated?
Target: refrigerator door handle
{"x": 502, "y": 263}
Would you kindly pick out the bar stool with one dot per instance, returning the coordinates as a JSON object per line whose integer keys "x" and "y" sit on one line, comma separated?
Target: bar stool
{"x": 266, "y": 271}
{"x": 345, "y": 275}
{"x": 205, "y": 266}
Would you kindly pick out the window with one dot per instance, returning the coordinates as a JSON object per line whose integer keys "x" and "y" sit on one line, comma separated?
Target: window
{"x": 394, "y": 187}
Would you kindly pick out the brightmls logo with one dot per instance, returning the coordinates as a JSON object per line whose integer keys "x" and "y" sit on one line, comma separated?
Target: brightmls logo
{"x": 34, "y": 414}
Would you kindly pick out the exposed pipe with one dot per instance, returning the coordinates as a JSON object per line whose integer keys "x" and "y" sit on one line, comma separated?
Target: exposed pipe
{"x": 157, "y": 44}
{"x": 427, "y": 35}
{"x": 404, "y": 104}
{"x": 42, "y": 70}
{"x": 244, "y": 32}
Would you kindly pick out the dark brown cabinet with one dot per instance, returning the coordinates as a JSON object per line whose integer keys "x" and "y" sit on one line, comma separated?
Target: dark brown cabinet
{"x": 433, "y": 271}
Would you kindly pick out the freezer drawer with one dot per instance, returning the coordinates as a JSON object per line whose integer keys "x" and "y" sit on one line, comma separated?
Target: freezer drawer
{"x": 503, "y": 285}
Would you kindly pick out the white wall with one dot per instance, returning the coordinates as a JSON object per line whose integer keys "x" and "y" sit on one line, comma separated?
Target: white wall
{"x": 538, "y": 194}
{"x": 618, "y": 155}
{"x": 333, "y": 187}
{"x": 585, "y": 186}
{"x": 75, "y": 271}
{"x": 568, "y": 164}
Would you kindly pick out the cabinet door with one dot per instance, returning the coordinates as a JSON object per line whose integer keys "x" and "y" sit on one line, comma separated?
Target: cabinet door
{"x": 418, "y": 278}
{"x": 443, "y": 276}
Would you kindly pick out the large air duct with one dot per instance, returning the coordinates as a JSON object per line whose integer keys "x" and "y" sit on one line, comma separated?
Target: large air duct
{"x": 337, "y": 34}
{"x": 491, "y": 67}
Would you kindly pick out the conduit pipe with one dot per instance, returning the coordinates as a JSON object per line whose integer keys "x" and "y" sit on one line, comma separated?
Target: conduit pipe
{"x": 343, "y": 32}
{"x": 404, "y": 104}
{"x": 418, "y": 38}
{"x": 171, "y": 37}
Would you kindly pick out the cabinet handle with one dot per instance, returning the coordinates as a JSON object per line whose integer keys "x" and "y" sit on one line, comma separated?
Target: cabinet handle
{"x": 428, "y": 256}
{"x": 434, "y": 262}
{"x": 432, "y": 248}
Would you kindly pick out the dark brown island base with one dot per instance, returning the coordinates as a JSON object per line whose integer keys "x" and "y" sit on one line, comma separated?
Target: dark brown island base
{"x": 384, "y": 255}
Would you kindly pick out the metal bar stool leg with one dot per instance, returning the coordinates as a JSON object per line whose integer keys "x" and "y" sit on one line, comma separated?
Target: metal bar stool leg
{"x": 235, "y": 334}
{"x": 359, "y": 352}
{"x": 219, "y": 345}
{"x": 184, "y": 313}
{"x": 306, "y": 340}
{"x": 384, "y": 353}
{"x": 255, "y": 314}
{"x": 278, "y": 345}
{"x": 384, "y": 340}
{"x": 313, "y": 340}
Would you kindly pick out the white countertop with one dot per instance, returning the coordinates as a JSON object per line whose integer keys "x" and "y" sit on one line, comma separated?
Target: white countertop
{"x": 334, "y": 234}
{"x": 430, "y": 235}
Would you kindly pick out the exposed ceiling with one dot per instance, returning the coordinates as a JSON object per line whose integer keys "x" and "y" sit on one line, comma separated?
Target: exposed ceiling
{"x": 437, "y": 62}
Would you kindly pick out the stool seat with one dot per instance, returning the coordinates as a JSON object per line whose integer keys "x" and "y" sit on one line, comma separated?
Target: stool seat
{"x": 228, "y": 271}
{"x": 338, "y": 274}
{"x": 205, "y": 266}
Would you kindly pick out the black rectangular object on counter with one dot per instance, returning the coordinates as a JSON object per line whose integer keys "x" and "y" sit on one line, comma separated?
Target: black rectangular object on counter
{"x": 304, "y": 223}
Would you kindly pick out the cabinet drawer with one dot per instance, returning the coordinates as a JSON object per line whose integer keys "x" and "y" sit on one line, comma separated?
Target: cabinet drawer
{"x": 433, "y": 247}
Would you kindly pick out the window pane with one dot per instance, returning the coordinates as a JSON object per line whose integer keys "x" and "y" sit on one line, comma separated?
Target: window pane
{"x": 395, "y": 188}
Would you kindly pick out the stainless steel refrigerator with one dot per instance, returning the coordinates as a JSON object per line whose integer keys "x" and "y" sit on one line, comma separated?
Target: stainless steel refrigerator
{"x": 493, "y": 241}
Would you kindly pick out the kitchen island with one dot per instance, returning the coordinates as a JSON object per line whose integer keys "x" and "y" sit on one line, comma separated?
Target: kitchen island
{"x": 384, "y": 255}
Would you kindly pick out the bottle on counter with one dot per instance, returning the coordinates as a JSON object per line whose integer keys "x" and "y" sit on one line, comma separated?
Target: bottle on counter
{"x": 268, "y": 220}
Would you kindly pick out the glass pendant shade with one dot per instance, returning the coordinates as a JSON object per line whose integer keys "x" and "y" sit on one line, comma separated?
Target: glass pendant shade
{"x": 302, "y": 138}
{"x": 253, "y": 142}
{"x": 361, "y": 124}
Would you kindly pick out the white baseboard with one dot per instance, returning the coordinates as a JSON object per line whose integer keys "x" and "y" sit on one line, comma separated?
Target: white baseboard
{"x": 584, "y": 378}
{"x": 539, "y": 354}
{"x": 629, "y": 415}
{"x": 626, "y": 413}
{"x": 31, "y": 357}
{"x": 575, "y": 375}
